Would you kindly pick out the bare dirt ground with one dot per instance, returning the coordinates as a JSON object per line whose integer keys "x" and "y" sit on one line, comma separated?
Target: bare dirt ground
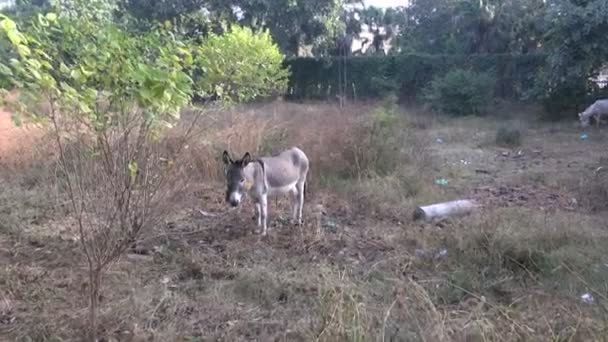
{"x": 530, "y": 266}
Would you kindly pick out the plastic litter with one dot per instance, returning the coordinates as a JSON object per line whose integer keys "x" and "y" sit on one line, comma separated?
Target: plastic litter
{"x": 584, "y": 136}
{"x": 207, "y": 214}
{"x": 441, "y": 181}
{"x": 442, "y": 253}
{"x": 420, "y": 252}
{"x": 588, "y": 298}
{"x": 439, "y": 141}
{"x": 331, "y": 226}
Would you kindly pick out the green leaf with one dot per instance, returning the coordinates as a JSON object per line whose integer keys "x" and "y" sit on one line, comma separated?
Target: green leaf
{"x": 6, "y": 71}
{"x": 76, "y": 75}
{"x": 14, "y": 37}
{"x": 84, "y": 108}
{"x": 64, "y": 68}
{"x": 23, "y": 50}
{"x": 8, "y": 25}
{"x": 52, "y": 17}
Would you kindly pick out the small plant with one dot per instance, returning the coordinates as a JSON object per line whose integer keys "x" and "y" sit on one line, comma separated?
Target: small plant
{"x": 508, "y": 137}
{"x": 374, "y": 142}
{"x": 460, "y": 92}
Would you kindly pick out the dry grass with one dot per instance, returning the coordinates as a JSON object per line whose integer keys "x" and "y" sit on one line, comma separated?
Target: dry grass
{"x": 359, "y": 269}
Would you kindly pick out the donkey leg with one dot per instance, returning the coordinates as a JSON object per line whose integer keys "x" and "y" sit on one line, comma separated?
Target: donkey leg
{"x": 300, "y": 188}
{"x": 293, "y": 198}
{"x": 258, "y": 213}
{"x": 264, "y": 213}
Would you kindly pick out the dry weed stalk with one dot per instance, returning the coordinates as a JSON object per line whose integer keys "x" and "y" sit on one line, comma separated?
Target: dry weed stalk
{"x": 121, "y": 181}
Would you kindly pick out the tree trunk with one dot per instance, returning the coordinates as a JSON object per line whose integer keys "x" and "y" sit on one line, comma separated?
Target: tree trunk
{"x": 94, "y": 282}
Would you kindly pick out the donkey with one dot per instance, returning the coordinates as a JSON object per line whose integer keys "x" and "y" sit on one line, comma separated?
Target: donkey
{"x": 595, "y": 111}
{"x": 279, "y": 174}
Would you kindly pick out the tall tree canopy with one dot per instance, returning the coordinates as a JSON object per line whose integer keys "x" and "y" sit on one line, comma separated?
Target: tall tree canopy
{"x": 292, "y": 23}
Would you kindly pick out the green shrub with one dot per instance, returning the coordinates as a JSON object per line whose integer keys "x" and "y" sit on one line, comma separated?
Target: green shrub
{"x": 239, "y": 65}
{"x": 460, "y": 92}
{"x": 508, "y": 137}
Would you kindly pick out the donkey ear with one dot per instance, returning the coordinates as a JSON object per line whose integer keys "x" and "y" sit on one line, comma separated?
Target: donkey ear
{"x": 246, "y": 159}
{"x": 226, "y": 158}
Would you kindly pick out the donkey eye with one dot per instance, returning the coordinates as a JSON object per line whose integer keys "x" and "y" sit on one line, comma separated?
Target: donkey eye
{"x": 242, "y": 180}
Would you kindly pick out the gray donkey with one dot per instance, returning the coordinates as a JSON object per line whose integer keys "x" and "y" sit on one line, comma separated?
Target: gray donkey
{"x": 279, "y": 174}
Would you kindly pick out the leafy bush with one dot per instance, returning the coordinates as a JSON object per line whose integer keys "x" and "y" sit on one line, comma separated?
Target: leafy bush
{"x": 460, "y": 92}
{"x": 239, "y": 65}
{"x": 509, "y": 137}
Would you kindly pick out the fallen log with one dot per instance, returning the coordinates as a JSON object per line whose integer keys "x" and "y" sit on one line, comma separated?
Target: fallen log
{"x": 445, "y": 209}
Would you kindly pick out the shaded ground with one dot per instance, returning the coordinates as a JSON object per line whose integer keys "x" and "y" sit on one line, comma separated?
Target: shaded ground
{"x": 511, "y": 272}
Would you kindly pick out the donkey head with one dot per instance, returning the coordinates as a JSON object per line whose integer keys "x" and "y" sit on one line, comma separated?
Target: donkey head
{"x": 235, "y": 178}
{"x": 583, "y": 119}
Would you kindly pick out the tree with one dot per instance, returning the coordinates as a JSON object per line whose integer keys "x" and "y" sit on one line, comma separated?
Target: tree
{"x": 576, "y": 39}
{"x": 472, "y": 26}
{"x": 577, "y": 49}
{"x": 110, "y": 94}
{"x": 112, "y": 97}
{"x": 293, "y": 24}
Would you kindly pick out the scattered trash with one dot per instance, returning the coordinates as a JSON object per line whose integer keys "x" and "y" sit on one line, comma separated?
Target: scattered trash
{"x": 464, "y": 162}
{"x": 442, "y": 253}
{"x": 584, "y": 136}
{"x": 588, "y": 298}
{"x": 505, "y": 154}
{"x": 165, "y": 280}
{"x": 207, "y": 214}
{"x": 439, "y": 141}
{"x": 331, "y": 226}
{"x": 482, "y": 171}
{"x": 420, "y": 252}
{"x": 441, "y": 181}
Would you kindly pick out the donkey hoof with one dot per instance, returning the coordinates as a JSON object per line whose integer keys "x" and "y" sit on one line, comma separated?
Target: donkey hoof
{"x": 261, "y": 232}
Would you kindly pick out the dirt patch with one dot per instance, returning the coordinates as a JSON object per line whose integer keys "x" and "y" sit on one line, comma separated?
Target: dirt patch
{"x": 527, "y": 196}
{"x": 16, "y": 142}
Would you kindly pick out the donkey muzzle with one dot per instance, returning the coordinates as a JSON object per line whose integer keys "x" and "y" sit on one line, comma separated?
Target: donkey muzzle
{"x": 234, "y": 198}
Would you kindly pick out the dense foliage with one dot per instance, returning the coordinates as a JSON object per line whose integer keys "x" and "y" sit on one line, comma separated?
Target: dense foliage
{"x": 79, "y": 63}
{"x": 568, "y": 32}
{"x": 239, "y": 66}
{"x": 460, "y": 92}
{"x": 409, "y": 74}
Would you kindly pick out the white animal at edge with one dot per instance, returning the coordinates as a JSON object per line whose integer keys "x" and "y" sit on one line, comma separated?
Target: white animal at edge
{"x": 598, "y": 109}
{"x": 259, "y": 178}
